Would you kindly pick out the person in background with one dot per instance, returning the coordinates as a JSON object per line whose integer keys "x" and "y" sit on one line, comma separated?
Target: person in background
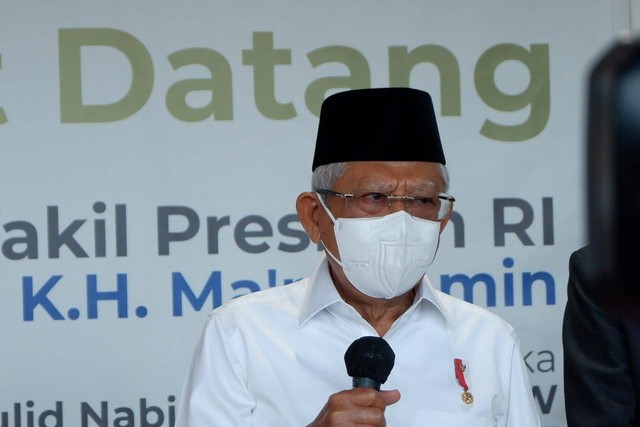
{"x": 378, "y": 205}
{"x": 601, "y": 341}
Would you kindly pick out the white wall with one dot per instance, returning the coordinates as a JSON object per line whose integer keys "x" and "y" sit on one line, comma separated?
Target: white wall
{"x": 635, "y": 15}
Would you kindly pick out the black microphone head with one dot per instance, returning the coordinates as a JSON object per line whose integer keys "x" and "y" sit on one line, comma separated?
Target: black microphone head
{"x": 370, "y": 357}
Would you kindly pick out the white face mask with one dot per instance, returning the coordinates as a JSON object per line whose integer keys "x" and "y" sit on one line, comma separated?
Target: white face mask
{"x": 384, "y": 257}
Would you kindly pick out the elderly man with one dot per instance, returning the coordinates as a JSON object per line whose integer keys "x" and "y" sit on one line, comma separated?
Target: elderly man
{"x": 378, "y": 205}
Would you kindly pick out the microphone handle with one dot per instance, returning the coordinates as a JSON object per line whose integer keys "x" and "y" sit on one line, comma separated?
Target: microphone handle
{"x": 365, "y": 382}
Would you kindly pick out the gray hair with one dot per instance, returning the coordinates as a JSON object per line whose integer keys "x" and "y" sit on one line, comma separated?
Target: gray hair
{"x": 326, "y": 176}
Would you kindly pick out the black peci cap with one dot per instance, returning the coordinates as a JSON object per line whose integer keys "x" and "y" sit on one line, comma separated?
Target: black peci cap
{"x": 385, "y": 124}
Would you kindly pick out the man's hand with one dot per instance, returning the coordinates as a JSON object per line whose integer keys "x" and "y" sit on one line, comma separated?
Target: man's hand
{"x": 361, "y": 406}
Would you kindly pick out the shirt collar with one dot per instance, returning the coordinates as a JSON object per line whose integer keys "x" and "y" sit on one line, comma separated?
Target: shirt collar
{"x": 322, "y": 293}
{"x": 427, "y": 295}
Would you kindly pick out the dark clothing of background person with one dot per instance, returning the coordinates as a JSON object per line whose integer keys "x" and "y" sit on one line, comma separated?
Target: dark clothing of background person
{"x": 601, "y": 354}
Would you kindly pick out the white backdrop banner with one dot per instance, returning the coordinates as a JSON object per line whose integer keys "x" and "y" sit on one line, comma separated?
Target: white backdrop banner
{"x": 152, "y": 151}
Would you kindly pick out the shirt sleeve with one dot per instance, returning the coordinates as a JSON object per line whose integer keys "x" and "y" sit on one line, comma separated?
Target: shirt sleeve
{"x": 597, "y": 379}
{"x": 214, "y": 392}
{"x": 522, "y": 411}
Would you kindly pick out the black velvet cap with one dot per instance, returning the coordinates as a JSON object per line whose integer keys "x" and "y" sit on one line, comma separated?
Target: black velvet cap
{"x": 385, "y": 124}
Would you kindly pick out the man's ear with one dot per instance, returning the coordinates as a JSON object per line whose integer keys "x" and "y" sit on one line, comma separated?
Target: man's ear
{"x": 308, "y": 208}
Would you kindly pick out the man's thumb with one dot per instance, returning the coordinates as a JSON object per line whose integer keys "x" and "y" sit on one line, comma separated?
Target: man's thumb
{"x": 390, "y": 396}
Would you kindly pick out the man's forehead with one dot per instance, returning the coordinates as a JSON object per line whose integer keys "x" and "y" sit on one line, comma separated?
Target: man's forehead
{"x": 421, "y": 175}
{"x": 382, "y": 183}
{"x": 382, "y": 168}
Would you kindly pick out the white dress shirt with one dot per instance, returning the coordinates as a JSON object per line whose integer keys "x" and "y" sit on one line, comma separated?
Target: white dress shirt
{"x": 272, "y": 358}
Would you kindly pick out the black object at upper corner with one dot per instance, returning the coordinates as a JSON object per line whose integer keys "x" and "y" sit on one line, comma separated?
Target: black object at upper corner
{"x": 614, "y": 168}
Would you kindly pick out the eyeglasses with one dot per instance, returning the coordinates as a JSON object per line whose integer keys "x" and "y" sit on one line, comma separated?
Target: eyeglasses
{"x": 435, "y": 208}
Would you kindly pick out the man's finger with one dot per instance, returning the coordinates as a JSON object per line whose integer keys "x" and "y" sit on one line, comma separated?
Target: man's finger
{"x": 390, "y": 396}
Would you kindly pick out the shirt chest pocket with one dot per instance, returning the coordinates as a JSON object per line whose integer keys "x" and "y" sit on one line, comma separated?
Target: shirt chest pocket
{"x": 446, "y": 419}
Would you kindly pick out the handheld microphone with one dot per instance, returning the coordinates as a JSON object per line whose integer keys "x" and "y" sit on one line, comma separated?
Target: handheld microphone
{"x": 369, "y": 361}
